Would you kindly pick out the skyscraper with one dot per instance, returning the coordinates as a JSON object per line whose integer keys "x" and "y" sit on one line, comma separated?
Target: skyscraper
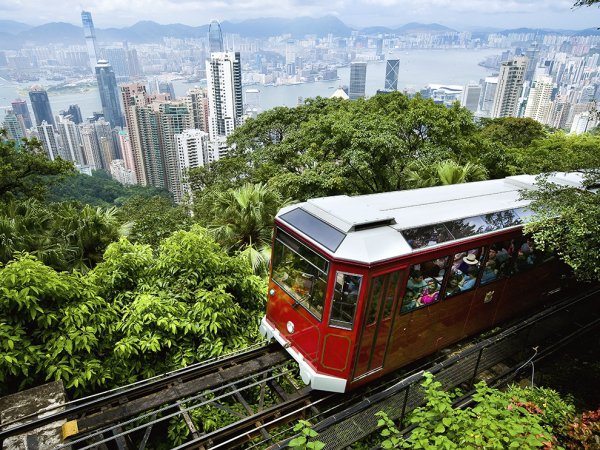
{"x": 510, "y": 84}
{"x": 538, "y": 103}
{"x": 192, "y": 146}
{"x": 134, "y": 96}
{"x": 225, "y": 101}
{"x": 14, "y": 126}
{"x": 470, "y": 97}
{"x": 174, "y": 116}
{"x": 71, "y": 140}
{"x": 358, "y": 79}
{"x": 20, "y": 108}
{"x": 117, "y": 58}
{"x": 109, "y": 93}
{"x": 90, "y": 38}
{"x": 196, "y": 100}
{"x": 48, "y": 138}
{"x": 41, "y": 105}
{"x": 75, "y": 112}
{"x": 91, "y": 146}
{"x": 215, "y": 37}
{"x": 391, "y": 74}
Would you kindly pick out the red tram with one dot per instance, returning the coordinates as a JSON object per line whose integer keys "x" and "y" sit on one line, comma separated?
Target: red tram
{"x": 361, "y": 286}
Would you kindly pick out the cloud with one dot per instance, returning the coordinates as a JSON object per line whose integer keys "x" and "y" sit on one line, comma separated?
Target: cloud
{"x": 118, "y": 13}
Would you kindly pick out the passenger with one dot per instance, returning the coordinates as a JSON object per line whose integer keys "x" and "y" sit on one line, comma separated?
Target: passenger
{"x": 467, "y": 262}
{"x": 416, "y": 283}
{"x": 502, "y": 256}
{"x": 453, "y": 286}
{"x": 458, "y": 261}
{"x": 430, "y": 293}
{"x": 489, "y": 273}
{"x": 528, "y": 246}
{"x": 469, "y": 279}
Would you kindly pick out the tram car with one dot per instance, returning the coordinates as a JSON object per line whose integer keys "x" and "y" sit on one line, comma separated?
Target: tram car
{"x": 361, "y": 286}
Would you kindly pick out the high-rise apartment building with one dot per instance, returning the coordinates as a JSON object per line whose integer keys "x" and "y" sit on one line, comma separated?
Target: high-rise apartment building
{"x": 470, "y": 97}
{"x": 109, "y": 93}
{"x": 174, "y": 116}
{"x": 90, "y": 38}
{"x": 539, "y": 99}
{"x": 486, "y": 100}
{"x": 225, "y": 101}
{"x": 215, "y": 38}
{"x": 134, "y": 95}
{"x": 71, "y": 140}
{"x": 510, "y": 85}
{"x": 49, "y": 140}
{"x": 392, "y": 69}
{"x": 127, "y": 153}
{"x": 41, "y": 105}
{"x": 196, "y": 100}
{"x": 192, "y": 148}
{"x": 14, "y": 126}
{"x": 19, "y": 107}
{"x": 148, "y": 129}
{"x": 91, "y": 146}
{"x": 358, "y": 80}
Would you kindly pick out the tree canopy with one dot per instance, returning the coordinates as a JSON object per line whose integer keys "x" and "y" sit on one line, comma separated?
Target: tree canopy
{"x": 25, "y": 172}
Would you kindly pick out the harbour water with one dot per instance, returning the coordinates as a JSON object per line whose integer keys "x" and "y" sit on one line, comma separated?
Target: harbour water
{"x": 417, "y": 69}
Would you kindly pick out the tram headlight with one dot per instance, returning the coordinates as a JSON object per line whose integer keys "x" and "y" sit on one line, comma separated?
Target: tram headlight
{"x": 290, "y": 326}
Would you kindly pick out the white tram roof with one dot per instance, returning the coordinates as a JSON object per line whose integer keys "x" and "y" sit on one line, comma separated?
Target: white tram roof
{"x": 377, "y": 227}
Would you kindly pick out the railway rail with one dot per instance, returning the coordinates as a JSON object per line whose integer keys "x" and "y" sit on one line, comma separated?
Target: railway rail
{"x": 257, "y": 390}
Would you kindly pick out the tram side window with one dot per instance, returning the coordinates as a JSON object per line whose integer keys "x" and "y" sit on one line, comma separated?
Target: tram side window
{"x": 345, "y": 298}
{"x": 527, "y": 255}
{"x": 424, "y": 283}
{"x": 498, "y": 262}
{"x": 464, "y": 272}
{"x": 301, "y": 272}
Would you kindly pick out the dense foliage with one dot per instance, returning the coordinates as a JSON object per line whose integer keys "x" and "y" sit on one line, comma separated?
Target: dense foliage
{"x": 99, "y": 190}
{"x": 516, "y": 418}
{"x": 133, "y": 316}
{"x": 25, "y": 172}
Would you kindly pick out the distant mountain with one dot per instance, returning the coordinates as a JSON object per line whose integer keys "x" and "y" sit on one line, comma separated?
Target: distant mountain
{"x": 588, "y": 32}
{"x": 12, "y": 27}
{"x": 414, "y": 27}
{"x": 57, "y": 32}
{"x": 298, "y": 27}
{"x": 148, "y": 31}
{"x": 14, "y": 35}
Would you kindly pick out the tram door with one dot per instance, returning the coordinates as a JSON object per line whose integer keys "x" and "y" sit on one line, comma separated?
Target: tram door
{"x": 377, "y": 322}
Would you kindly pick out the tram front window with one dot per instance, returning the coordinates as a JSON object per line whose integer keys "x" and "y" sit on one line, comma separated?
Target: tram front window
{"x": 300, "y": 272}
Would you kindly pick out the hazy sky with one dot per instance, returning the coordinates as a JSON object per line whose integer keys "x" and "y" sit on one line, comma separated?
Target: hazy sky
{"x": 460, "y": 14}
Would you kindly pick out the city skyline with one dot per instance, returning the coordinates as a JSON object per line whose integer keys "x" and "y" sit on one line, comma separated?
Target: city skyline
{"x": 460, "y": 14}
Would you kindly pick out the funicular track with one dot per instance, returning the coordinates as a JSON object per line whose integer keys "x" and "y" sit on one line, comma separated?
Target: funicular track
{"x": 256, "y": 389}
{"x": 497, "y": 360}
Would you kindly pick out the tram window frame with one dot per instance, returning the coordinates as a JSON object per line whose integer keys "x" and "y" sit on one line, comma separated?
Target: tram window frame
{"x": 338, "y": 323}
{"x": 504, "y": 268}
{"x": 479, "y": 252}
{"x": 409, "y": 303}
{"x": 315, "y": 273}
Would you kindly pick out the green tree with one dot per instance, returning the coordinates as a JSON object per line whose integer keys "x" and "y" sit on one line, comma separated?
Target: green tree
{"x": 499, "y": 420}
{"x": 189, "y": 302}
{"x": 242, "y": 221}
{"x": 52, "y": 326}
{"x": 331, "y": 146}
{"x": 420, "y": 174}
{"x": 26, "y": 172}
{"x": 148, "y": 220}
{"x": 557, "y": 152}
{"x": 566, "y": 222}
